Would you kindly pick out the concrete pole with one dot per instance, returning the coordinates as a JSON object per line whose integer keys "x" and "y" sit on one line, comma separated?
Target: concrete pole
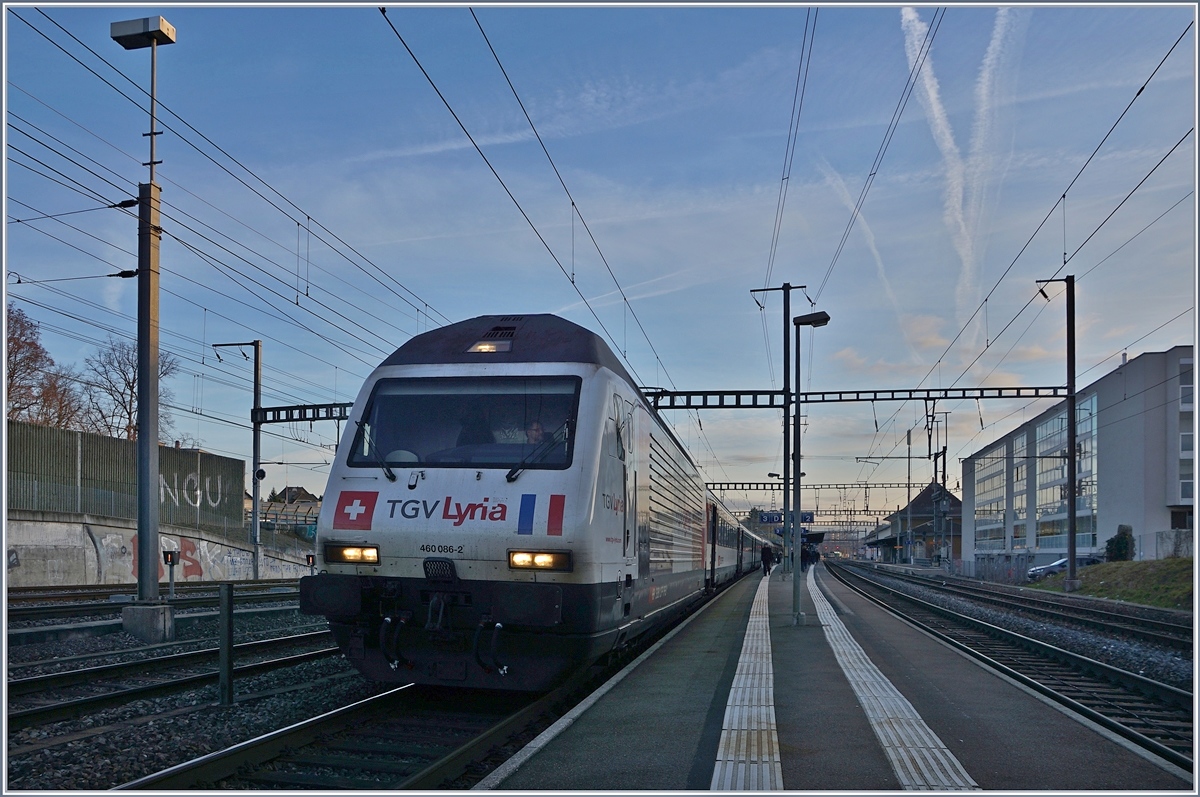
{"x": 257, "y": 464}
{"x": 797, "y": 595}
{"x": 149, "y": 238}
{"x": 149, "y": 243}
{"x": 908, "y": 535}
{"x": 1071, "y": 583}
{"x": 789, "y": 544}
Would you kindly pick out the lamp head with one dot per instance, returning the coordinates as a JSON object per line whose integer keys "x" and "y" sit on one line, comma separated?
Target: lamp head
{"x": 133, "y": 34}
{"x": 817, "y": 319}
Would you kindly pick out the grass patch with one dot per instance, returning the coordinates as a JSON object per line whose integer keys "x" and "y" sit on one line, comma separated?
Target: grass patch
{"x": 1165, "y": 583}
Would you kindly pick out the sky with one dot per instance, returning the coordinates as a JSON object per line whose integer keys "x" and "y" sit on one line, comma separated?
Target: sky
{"x": 336, "y": 180}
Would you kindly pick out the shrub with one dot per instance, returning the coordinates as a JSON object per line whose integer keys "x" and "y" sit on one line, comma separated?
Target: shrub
{"x": 1120, "y": 547}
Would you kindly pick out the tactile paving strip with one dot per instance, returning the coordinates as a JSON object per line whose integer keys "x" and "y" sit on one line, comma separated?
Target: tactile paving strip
{"x": 918, "y": 757}
{"x": 748, "y": 755}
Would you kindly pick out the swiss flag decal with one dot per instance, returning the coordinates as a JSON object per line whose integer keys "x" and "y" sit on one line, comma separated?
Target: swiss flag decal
{"x": 355, "y": 510}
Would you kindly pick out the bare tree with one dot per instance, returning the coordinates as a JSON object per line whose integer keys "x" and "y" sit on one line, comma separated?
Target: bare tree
{"x": 38, "y": 391}
{"x": 111, "y": 400}
{"x": 27, "y": 361}
{"x": 60, "y": 402}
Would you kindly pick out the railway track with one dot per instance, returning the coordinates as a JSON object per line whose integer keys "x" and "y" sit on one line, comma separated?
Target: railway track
{"x": 21, "y": 612}
{"x": 17, "y": 596}
{"x": 408, "y": 738}
{"x": 1155, "y": 716}
{"x": 46, "y": 698}
{"x": 412, "y": 737}
{"x": 1177, "y": 635}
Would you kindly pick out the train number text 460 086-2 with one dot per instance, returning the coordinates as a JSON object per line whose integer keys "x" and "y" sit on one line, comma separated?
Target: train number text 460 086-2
{"x": 441, "y": 549}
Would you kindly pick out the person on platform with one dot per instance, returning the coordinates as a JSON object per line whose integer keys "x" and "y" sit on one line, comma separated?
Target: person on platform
{"x": 768, "y": 559}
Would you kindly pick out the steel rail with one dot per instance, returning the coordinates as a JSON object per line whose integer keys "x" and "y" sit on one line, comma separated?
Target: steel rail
{"x": 105, "y": 607}
{"x": 224, "y": 763}
{"x": 1174, "y": 635}
{"x": 70, "y": 709}
{"x": 60, "y": 680}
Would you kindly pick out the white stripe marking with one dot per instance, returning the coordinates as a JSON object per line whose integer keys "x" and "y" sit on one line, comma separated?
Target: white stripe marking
{"x": 918, "y": 757}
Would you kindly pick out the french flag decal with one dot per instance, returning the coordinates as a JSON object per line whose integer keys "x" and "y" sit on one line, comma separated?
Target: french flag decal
{"x": 529, "y": 515}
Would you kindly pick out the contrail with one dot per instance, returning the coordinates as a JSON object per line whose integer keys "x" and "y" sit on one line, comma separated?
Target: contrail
{"x": 834, "y": 180}
{"x": 969, "y": 182}
{"x": 997, "y": 74}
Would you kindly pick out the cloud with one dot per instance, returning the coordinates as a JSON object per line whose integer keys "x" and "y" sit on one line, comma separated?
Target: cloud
{"x": 596, "y": 105}
{"x": 925, "y": 331}
{"x": 834, "y": 180}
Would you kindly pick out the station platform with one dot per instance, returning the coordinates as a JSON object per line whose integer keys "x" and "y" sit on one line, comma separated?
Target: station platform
{"x": 852, "y": 699}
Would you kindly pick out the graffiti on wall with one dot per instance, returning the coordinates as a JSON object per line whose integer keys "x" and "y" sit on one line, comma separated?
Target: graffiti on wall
{"x": 188, "y": 558}
{"x": 192, "y": 493}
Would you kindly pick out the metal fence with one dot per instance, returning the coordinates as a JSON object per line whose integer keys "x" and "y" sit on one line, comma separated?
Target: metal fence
{"x": 299, "y": 521}
{"x": 1163, "y": 544}
{"x": 1003, "y": 568}
{"x": 56, "y": 470}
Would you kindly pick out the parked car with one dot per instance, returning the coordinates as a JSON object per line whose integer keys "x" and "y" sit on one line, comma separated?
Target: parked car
{"x": 1060, "y": 566}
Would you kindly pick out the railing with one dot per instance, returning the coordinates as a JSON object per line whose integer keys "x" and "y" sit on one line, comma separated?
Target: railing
{"x": 300, "y": 522}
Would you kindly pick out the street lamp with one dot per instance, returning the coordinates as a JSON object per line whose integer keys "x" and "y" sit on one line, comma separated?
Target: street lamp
{"x": 817, "y": 319}
{"x": 132, "y": 35}
{"x": 776, "y": 476}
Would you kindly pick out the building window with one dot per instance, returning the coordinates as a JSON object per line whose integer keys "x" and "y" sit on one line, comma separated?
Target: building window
{"x": 1185, "y": 444}
{"x": 989, "y": 500}
{"x": 1185, "y": 384}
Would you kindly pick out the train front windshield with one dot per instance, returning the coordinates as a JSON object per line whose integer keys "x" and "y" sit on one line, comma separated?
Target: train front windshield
{"x": 469, "y": 422}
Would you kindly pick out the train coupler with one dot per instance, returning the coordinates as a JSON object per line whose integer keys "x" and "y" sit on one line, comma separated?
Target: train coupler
{"x": 496, "y": 665}
{"x": 389, "y": 632}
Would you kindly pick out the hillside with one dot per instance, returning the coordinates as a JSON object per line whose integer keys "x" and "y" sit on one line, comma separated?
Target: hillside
{"x": 1165, "y": 583}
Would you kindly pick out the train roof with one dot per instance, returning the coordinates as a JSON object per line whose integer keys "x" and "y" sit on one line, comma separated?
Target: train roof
{"x": 537, "y": 338}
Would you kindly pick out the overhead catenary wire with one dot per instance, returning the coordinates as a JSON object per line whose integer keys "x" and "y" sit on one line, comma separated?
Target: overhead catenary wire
{"x": 1061, "y": 198}
{"x": 415, "y": 302}
{"x": 893, "y": 124}
{"x": 169, "y": 215}
{"x": 577, "y": 213}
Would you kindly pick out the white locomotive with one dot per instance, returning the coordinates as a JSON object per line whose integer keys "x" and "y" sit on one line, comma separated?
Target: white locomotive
{"x": 506, "y": 506}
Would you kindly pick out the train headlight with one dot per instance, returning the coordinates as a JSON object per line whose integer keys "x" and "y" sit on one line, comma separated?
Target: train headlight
{"x": 540, "y": 560}
{"x": 353, "y": 554}
{"x": 491, "y": 347}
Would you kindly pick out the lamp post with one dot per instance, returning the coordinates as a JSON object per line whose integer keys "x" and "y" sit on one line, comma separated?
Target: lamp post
{"x": 817, "y": 319}
{"x": 132, "y": 35}
{"x": 788, "y": 525}
{"x": 774, "y": 476}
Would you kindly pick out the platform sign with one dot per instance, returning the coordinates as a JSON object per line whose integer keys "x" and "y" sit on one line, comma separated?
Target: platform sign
{"x": 777, "y": 517}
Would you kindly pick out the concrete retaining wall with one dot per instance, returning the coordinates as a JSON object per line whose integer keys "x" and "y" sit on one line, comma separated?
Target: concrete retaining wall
{"x": 53, "y": 549}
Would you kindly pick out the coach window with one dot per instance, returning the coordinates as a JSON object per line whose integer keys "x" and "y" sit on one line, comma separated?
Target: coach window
{"x": 469, "y": 422}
